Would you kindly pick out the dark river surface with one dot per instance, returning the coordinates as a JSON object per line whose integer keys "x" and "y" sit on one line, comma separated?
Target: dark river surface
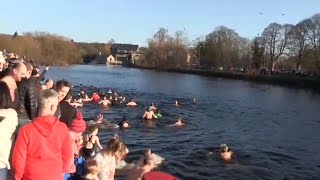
{"x": 274, "y": 131}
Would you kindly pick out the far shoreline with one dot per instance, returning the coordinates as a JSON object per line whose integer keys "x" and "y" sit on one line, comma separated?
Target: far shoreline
{"x": 308, "y": 83}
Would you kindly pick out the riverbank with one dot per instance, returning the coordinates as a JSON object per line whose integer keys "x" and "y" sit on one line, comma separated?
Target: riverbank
{"x": 311, "y": 83}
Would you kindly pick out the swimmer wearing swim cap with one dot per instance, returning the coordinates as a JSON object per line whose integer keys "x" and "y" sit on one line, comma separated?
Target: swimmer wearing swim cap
{"x": 225, "y": 152}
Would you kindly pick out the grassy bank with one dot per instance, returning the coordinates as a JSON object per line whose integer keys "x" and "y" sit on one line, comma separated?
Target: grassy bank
{"x": 283, "y": 80}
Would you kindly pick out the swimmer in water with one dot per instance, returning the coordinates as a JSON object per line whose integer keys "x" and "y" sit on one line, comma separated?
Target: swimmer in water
{"x": 177, "y": 103}
{"x": 105, "y": 102}
{"x": 178, "y": 122}
{"x": 159, "y": 115}
{"x": 95, "y": 97}
{"x": 122, "y": 99}
{"x": 225, "y": 152}
{"x": 76, "y": 104}
{"x": 148, "y": 154}
{"x": 81, "y": 87}
{"x": 152, "y": 107}
{"x": 131, "y": 103}
{"x": 99, "y": 119}
{"x": 138, "y": 171}
{"x": 124, "y": 123}
{"x": 148, "y": 115}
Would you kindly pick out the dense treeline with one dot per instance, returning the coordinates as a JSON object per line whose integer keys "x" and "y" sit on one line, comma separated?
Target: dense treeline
{"x": 164, "y": 50}
{"x": 52, "y": 49}
{"x": 285, "y": 47}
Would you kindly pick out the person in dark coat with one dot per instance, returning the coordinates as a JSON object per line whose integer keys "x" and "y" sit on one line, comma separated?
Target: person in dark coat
{"x": 28, "y": 88}
{"x": 68, "y": 112}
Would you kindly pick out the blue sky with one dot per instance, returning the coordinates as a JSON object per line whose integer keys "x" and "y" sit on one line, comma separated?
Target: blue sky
{"x": 129, "y": 21}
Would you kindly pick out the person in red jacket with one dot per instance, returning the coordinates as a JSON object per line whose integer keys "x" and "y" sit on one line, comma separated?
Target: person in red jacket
{"x": 43, "y": 149}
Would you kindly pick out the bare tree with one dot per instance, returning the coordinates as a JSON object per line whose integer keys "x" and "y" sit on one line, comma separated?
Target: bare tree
{"x": 276, "y": 38}
{"x": 225, "y": 42}
{"x": 161, "y": 36}
{"x": 258, "y": 49}
{"x": 313, "y": 35}
{"x": 181, "y": 38}
{"x": 299, "y": 42}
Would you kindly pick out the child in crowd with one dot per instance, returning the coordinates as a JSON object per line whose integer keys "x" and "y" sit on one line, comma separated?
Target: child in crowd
{"x": 92, "y": 169}
{"x": 106, "y": 158}
{"x": 90, "y": 141}
{"x": 120, "y": 162}
{"x": 225, "y": 152}
{"x": 77, "y": 127}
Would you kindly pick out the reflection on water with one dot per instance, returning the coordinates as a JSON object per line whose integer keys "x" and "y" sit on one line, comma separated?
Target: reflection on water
{"x": 274, "y": 131}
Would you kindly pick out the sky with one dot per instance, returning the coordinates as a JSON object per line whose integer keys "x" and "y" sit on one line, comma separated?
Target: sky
{"x": 129, "y": 21}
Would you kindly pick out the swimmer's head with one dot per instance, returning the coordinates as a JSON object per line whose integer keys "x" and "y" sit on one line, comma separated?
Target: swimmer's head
{"x": 179, "y": 119}
{"x": 224, "y": 148}
{"x": 147, "y": 153}
{"x": 148, "y": 161}
{"x": 125, "y": 125}
{"x": 93, "y": 129}
{"x": 149, "y": 108}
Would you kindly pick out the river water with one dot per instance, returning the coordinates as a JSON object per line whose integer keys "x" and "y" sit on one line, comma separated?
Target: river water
{"x": 274, "y": 131}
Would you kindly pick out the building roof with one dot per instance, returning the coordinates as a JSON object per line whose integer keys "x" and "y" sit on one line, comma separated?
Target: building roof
{"x": 125, "y": 47}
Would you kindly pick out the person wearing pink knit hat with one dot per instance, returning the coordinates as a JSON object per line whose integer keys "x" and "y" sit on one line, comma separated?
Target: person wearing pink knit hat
{"x": 77, "y": 127}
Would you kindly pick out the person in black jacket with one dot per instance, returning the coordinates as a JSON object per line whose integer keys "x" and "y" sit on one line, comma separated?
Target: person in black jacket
{"x": 68, "y": 112}
{"x": 63, "y": 88}
{"x": 28, "y": 88}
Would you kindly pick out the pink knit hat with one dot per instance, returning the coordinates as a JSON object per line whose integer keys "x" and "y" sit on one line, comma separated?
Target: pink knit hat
{"x": 78, "y": 124}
